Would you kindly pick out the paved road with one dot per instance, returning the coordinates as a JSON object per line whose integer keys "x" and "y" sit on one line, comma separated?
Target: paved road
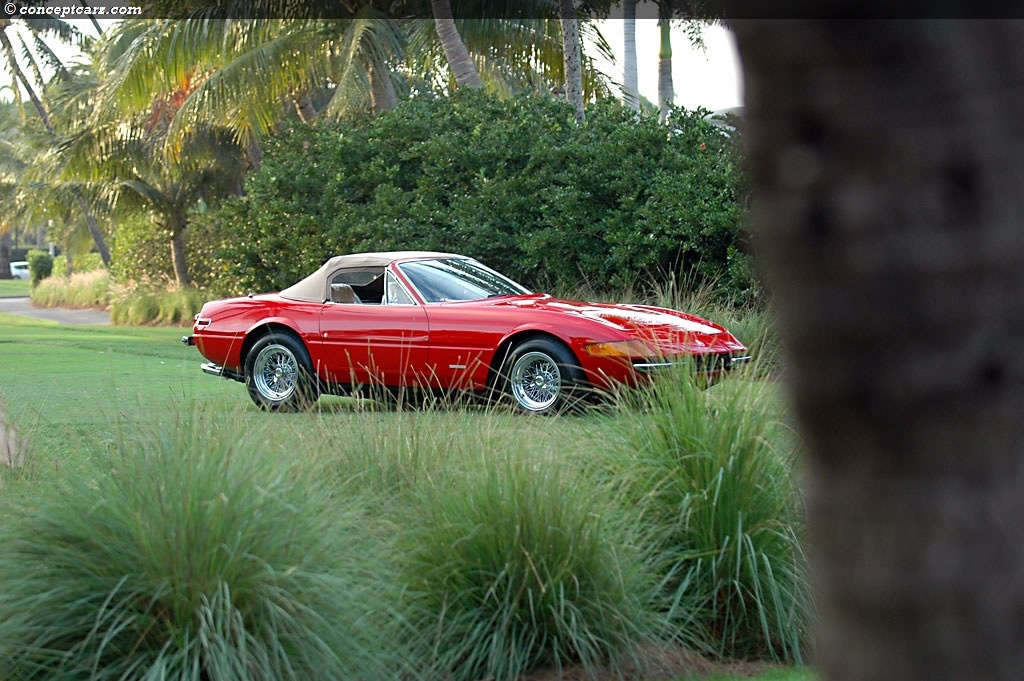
{"x": 23, "y": 307}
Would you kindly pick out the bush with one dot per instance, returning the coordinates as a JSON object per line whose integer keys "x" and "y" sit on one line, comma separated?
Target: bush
{"x": 518, "y": 564}
{"x": 714, "y": 470}
{"x": 516, "y": 183}
{"x": 193, "y": 553}
{"x": 40, "y": 266}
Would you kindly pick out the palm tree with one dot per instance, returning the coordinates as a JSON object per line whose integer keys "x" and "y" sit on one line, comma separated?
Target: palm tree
{"x": 461, "y": 64}
{"x": 901, "y": 316}
{"x": 125, "y": 162}
{"x": 37, "y": 52}
{"x": 630, "y": 88}
{"x": 572, "y": 55}
{"x": 11, "y": 167}
{"x": 129, "y": 161}
{"x": 666, "y": 90}
{"x": 243, "y": 72}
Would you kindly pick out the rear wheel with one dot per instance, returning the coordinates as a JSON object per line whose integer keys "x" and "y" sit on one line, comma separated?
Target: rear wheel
{"x": 541, "y": 376}
{"x": 279, "y": 375}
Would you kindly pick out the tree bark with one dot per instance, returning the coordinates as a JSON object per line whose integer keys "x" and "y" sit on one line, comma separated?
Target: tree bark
{"x": 630, "y": 88}
{"x": 666, "y": 90}
{"x": 179, "y": 223}
{"x": 572, "y": 56}
{"x": 303, "y": 103}
{"x": 461, "y": 64}
{"x": 382, "y": 91}
{"x": 888, "y": 159}
{"x": 94, "y": 231}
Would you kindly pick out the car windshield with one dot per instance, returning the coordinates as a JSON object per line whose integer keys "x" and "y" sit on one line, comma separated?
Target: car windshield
{"x": 453, "y": 279}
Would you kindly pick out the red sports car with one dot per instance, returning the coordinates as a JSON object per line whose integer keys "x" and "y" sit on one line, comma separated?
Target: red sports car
{"x": 441, "y": 321}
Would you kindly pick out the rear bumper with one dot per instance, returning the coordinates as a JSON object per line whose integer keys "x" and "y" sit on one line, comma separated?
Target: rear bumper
{"x": 218, "y": 370}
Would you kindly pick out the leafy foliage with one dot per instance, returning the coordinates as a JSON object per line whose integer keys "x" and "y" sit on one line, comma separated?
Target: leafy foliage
{"x": 516, "y": 183}
{"x": 40, "y": 266}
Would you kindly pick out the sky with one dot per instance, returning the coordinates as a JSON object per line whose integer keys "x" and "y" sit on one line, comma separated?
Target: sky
{"x": 710, "y": 79}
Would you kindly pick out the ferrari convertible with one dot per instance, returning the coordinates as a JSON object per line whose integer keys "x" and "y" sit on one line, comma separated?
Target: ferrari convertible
{"x": 370, "y": 323}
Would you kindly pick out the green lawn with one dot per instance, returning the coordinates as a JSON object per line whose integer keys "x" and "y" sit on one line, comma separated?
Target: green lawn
{"x": 13, "y": 288}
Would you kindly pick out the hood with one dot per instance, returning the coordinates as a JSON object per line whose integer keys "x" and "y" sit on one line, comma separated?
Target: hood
{"x": 668, "y": 331}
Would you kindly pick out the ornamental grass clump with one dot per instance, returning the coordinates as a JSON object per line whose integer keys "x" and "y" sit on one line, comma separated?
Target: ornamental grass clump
{"x": 192, "y": 553}
{"x": 519, "y": 564}
{"x": 713, "y": 469}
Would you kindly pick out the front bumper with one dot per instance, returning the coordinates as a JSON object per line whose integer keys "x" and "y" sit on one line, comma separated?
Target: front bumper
{"x": 705, "y": 364}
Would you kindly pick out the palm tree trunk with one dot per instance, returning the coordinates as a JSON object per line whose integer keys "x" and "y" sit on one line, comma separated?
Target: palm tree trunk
{"x": 382, "y": 91}
{"x": 304, "y": 106}
{"x": 94, "y": 230}
{"x": 572, "y": 55}
{"x": 459, "y": 61}
{"x": 179, "y": 223}
{"x": 888, "y": 158}
{"x": 666, "y": 92}
{"x": 630, "y": 89}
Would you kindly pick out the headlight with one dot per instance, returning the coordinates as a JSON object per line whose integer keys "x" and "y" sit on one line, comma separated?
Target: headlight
{"x": 630, "y": 348}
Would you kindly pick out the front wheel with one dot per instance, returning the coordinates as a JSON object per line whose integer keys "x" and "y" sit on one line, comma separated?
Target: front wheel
{"x": 279, "y": 374}
{"x": 541, "y": 376}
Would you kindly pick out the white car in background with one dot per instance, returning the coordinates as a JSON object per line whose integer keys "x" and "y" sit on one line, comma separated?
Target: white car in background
{"x": 19, "y": 269}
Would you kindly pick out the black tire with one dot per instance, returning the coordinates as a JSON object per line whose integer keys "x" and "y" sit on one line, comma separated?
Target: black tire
{"x": 541, "y": 376}
{"x": 279, "y": 375}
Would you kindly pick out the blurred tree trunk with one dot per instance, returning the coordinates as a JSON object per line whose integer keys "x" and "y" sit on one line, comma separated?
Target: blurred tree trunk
{"x": 5, "y": 254}
{"x": 888, "y": 161}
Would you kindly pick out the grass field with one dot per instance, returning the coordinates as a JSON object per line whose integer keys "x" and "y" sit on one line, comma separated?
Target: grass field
{"x": 13, "y": 288}
{"x": 75, "y": 391}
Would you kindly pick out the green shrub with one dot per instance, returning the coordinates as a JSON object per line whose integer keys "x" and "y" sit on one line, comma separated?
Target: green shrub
{"x": 516, "y": 183}
{"x": 714, "y": 471}
{"x": 520, "y": 563}
{"x": 193, "y": 553}
{"x": 40, "y": 266}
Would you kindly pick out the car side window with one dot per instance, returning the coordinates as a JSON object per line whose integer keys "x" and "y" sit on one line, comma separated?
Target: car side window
{"x": 395, "y": 293}
{"x": 366, "y": 283}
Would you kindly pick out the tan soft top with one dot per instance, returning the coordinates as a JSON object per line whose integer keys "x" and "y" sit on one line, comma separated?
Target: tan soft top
{"x": 314, "y": 287}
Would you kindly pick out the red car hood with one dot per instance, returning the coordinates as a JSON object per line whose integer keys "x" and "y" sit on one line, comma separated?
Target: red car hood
{"x": 667, "y": 331}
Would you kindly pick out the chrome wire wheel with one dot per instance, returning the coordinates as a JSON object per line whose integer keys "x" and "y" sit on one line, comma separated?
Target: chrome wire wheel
{"x": 535, "y": 381}
{"x": 275, "y": 373}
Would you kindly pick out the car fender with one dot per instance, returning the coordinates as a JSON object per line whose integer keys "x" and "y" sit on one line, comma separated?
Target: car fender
{"x": 556, "y": 331}
{"x": 277, "y": 323}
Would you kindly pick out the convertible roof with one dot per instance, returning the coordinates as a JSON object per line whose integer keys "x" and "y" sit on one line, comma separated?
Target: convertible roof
{"x": 314, "y": 287}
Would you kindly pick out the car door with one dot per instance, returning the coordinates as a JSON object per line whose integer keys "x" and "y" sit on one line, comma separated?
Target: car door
{"x": 379, "y": 339}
